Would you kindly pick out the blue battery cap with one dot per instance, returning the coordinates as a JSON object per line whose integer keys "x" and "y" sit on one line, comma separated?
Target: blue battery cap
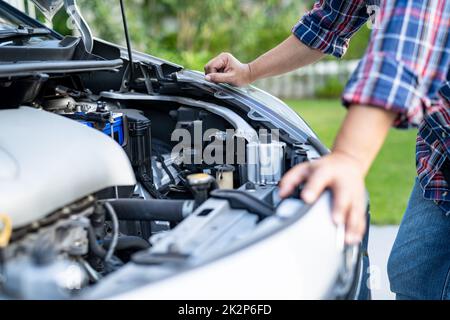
{"x": 117, "y": 126}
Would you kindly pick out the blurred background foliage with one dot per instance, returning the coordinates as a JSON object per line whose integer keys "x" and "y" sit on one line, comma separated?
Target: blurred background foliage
{"x": 192, "y": 32}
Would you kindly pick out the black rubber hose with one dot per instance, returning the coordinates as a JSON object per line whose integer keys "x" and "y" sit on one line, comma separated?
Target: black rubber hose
{"x": 152, "y": 210}
{"x": 115, "y": 231}
{"x": 94, "y": 247}
{"x": 321, "y": 149}
{"x": 128, "y": 243}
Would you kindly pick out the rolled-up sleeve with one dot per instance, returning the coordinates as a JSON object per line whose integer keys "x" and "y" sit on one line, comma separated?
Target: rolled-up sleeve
{"x": 329, "y": 26}
{"x": 406, "y": 61}
{"x": 382, "y": 80}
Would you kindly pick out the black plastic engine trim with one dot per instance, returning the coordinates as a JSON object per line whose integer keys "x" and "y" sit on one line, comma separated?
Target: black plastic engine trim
{"x": 241, "y": 200}
{"x": 49, "y": 50}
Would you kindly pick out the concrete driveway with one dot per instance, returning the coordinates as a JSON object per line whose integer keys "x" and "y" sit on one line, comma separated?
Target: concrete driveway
{"x": 380, "y": 245}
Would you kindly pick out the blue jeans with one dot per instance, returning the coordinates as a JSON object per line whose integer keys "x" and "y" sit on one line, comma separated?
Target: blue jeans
{"x": 365, "y": 292}
{"x": 419, "y": 265}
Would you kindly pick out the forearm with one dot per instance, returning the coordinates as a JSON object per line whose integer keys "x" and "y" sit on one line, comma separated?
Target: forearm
{"x": 290, "y": 55}
{"x": 363, "y": 134}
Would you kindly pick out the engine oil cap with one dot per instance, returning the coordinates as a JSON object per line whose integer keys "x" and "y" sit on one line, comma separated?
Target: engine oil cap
{"x": 199, "y": 179}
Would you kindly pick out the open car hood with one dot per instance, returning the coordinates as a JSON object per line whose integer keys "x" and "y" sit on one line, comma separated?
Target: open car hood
{"x": 63, "y": 50}
{"x": 49, "y": 7}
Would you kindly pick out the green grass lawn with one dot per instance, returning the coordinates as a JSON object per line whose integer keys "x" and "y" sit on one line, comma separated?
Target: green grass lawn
{"x": 392, "y": 175}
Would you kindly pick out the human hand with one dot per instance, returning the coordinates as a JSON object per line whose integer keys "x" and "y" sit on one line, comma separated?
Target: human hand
{"x": 225, "y": 68}
{"x": 343, "y": 175}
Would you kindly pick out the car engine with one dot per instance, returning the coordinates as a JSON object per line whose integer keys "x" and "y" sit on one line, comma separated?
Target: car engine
{"x": 126, "y": 185}
{"x": 121, "y": 172}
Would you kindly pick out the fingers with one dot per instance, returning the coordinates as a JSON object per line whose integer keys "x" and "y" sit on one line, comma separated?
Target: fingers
{"x": 346, "y": 184}
{"x": 293, "y": 179}
{"x": 341, "y": 205}
{"x": 217, "y": 64}
{"x": 217, "y": 70}
{"x": 318, "y": 181}
{"x": 356, "y": 224}
{"x": 227, "y": 69}
{"x": 221, "y": 77}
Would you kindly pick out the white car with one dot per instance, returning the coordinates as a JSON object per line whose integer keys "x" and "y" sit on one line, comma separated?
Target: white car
{"x": 99, "y": 198}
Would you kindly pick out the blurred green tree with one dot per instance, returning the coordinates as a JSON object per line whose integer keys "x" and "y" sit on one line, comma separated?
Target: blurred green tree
{"x": 191, "y": 32}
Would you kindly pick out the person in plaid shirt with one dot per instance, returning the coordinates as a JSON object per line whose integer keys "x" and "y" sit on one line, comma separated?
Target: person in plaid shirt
{"x": 403, "y": 80}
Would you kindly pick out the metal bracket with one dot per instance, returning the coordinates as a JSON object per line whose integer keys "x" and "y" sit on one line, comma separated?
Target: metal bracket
{"x": 74, "y": 13}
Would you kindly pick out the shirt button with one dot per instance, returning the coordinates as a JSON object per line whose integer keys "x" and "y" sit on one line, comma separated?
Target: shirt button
{"x": 444, "y": 135}
{"x": 445, "y": 194}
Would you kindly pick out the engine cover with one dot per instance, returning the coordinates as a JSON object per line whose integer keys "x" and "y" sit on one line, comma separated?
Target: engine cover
{"x": 48, "y": 162}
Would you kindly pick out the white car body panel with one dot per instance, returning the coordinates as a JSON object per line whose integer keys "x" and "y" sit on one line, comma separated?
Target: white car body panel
{"x": 299, "y": 262}
{"x": 48, "y": 162}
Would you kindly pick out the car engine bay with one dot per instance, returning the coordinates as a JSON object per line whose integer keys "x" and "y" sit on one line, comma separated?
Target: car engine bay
{"x": 179, "y": 208}
{"x": 171, "y": 178}
{"x": 123, "y": 175}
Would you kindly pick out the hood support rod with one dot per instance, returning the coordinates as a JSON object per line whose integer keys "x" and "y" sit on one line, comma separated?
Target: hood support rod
{"x": 127, "y": 38}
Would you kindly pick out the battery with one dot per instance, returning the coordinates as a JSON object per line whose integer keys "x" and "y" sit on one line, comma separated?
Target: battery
{"x": 117, "y": 127}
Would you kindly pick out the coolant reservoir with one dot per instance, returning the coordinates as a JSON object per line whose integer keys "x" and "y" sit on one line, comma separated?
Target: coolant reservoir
{"x": 225, "y": 176}
{"x": 265, "y": 161}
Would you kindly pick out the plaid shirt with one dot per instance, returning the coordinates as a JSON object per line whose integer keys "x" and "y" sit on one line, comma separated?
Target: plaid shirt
{"x": 405, "y": 70}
